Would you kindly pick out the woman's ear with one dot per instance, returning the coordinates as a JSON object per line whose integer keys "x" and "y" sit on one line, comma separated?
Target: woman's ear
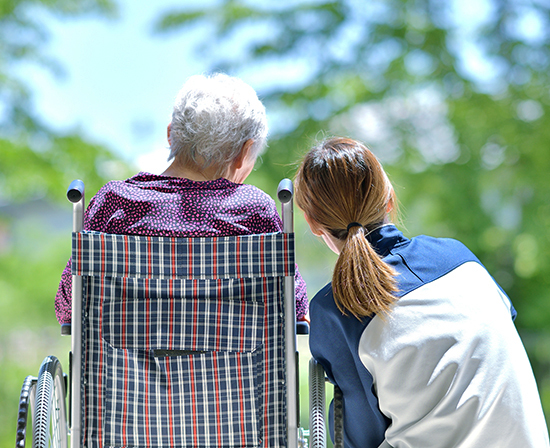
{"x": 168, "y": 129}
{"x": 333, "y": 244}
{"x": 313, "y": 225}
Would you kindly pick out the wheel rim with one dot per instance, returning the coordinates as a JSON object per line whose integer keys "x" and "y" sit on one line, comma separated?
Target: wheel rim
{"x": 50, "y": 422}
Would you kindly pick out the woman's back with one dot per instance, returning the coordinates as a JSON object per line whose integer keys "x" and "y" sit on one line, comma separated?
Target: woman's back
{"x": 416, "y": 333}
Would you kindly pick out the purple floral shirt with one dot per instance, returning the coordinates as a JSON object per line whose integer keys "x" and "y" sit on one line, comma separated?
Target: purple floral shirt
{"x": 153, "y": 205}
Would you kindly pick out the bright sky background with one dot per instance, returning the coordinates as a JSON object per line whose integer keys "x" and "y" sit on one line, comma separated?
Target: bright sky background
{"x": 120, "y": 80}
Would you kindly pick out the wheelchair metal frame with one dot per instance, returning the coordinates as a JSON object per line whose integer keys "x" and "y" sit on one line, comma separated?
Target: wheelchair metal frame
{"x": 43, "y": 399}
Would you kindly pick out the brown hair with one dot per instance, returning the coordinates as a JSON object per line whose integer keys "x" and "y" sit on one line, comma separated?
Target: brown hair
{"x": 338, "y": 183}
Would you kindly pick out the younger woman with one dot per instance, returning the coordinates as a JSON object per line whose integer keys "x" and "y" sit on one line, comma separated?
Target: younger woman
{"x": 415, "y": 332}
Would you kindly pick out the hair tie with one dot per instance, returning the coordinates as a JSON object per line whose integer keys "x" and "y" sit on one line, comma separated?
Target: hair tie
{"x": 354, "y": 224}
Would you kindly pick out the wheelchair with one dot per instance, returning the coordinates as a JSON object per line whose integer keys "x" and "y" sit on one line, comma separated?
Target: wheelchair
{"x": 180, "y": 342}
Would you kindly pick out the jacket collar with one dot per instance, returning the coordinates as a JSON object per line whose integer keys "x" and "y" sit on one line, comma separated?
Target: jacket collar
{"x": 384, "y": 238}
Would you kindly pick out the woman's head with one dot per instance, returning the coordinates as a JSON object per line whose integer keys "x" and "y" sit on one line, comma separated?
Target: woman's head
{"x": 213, "y": 118}
{"x": 341, "y": 182}
{"x": 345, "y": 193}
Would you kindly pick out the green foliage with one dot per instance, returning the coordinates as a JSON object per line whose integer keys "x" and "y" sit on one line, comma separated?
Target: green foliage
{"x": 34, "y": 160}
{"x": 29, "y": 173}
{"x": 466, "y": 147}
{"x": 36, "y": 166}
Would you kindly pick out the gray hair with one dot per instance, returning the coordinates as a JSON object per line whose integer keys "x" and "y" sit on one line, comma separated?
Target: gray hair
{"x": 213, "y": 117}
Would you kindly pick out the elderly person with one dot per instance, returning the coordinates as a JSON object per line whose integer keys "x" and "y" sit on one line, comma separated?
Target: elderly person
{"x": 217, "y": 131}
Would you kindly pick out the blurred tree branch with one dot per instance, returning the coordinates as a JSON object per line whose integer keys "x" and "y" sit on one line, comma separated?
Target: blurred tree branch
{"x": 36, "y": 160}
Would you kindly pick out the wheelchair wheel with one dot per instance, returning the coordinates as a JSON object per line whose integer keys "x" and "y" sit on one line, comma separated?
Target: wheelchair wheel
{"x": 317, "y": 431}
{"x": 50, "y": 413}
{"x": 24, "y": 415}
{"x": 338, "y": 418}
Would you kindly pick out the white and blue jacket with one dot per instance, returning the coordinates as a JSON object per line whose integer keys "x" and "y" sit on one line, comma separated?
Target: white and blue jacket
{"x": 445, "y": 369}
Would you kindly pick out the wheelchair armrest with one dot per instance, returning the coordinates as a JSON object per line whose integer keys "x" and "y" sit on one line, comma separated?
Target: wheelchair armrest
{"x": 302, "y": 327}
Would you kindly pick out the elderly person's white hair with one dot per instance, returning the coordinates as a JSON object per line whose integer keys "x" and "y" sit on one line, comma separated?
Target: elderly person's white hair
{"x": 213, "y": 117}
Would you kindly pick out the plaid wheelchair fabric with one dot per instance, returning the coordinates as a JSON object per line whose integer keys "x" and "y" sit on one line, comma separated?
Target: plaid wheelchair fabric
{"x": 183, "y": 340}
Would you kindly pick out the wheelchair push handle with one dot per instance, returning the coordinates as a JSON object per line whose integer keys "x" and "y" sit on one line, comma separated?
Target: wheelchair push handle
{"x": 75, "y": 192}
{"x": 285, "y": 191}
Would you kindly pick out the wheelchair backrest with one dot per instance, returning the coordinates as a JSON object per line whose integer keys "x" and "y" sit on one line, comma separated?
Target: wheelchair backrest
{"x": 183, "y": 339}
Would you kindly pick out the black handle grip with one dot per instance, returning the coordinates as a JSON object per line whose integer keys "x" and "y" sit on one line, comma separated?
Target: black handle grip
{"x": 75, "y": 191}
{"x": 285, "y": 190}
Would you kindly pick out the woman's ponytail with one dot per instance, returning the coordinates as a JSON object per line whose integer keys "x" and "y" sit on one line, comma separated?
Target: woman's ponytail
{"x": 362, "y": 283}
{"x": 343, "y": 189}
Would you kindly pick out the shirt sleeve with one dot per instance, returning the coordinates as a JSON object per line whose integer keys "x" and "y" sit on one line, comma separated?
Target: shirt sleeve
{"x": 63, "y": 296}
